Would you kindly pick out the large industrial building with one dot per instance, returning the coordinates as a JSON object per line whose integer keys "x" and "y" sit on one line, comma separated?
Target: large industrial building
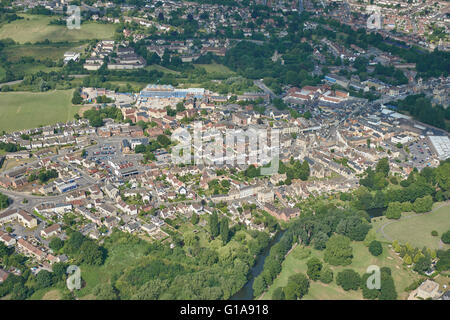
{"x": 441, "y": 146}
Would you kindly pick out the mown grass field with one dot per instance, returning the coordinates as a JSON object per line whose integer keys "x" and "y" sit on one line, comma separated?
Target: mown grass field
{"x": 35, "y": 28}
{"x": 416, "y": 228}
{"x": 403, "y": 277}
{"x": 24, "y": 110}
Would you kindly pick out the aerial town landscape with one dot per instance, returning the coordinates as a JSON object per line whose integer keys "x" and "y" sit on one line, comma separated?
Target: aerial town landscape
{"x": 224, "y": 150}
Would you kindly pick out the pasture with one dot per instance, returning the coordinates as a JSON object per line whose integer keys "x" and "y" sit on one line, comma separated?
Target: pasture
{"x": 25, "y": 110}
{"x": 34, "y": 28}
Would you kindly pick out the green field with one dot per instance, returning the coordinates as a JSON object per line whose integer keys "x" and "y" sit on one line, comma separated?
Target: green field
{"x": 416, "y": 228}
{"x": 24, "y": 110}
{"x": 361, "y": 260}
{"x": 216, "y": 68}
{"x": 40, "y": 52}
{"x": 35, "y": 28}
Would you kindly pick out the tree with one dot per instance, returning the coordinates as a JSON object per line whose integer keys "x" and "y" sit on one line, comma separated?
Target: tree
{"x": 387, "y": 289}
{"x": 446, "y": 237}
{"x": 90, "y": 253}
{"x": 297, "y": 286}
{"x": 371, "y": 294}
{"x": 338, "y": 251}
{"x": 326, "y": 275}
{"x": 224, "y": 230}
{"x": 4, "y": 250}
{"x": 423, "y": 204}
{"x": 4, "y": 201}
{"x": 353, "y": 227}
{"x": 77, "y": 99}
{"x": 379, "y": 201}
{"x": 151, "y": 290}
{"x": 44, "y": 279}
{"x": 314, "y": 267}
{"x": 394, "y": 210}
{"x": 320, "y": 240}
{"x": 375, "y": 248}
{"x": 56, "y": 244}
{"x": 73, "y": 244}
{"x": 194, "y": 218}
{"x": 105, "y": 291}
{"x": 444, "y": 260}
{"x": 304, "y": 171}
{"x": 278, "y": 294}
{"x": 383, "y": 167}
{"x": 163, "y": 140}
{"x": 396, "y": 246}
{"x": 422, "y": 264}
{"x": 348, "y": 279}
{"x": 20, "y": 291}
{"x": 96, "y": 121}
{"x": 190, "y": 239}
{"x": 407, "y": 259}
{"x": 259, "y": 285}
{"x": 214, "y": 224}
{"x": 59, "y": 271}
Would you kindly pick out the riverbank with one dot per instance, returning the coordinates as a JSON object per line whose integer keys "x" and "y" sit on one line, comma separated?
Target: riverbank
{"x": 246, "y": 293}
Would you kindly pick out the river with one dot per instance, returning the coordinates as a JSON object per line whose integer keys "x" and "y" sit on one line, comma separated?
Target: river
{"x": 246, "y": 293}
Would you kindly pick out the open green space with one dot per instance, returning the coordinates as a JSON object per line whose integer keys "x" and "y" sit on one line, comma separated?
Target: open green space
{"x": 24, "y": 110}
{"x": 157, "y": 67}
{"x": 416, "y": 228}
{"x": 216, "y": 68}
{"x": 121, "y": 254}
{"x": 40, "y": 52}
{"x": 35, "y": 28}
{"x": 295, "y": 262}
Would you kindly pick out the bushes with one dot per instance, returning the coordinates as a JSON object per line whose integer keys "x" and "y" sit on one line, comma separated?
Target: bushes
{"x": 444, "y": 260}
{"x": 77, "y": 99}
{"x": 375, "y": 248}
{"x": 297, "y": 287}
{"x": 423, "y": 204}
{"x": 348, "y": 279}
{"x": 338, "y": 251}
{"x": 272, "y": 264}
{"x": 394, "y": 210}
{"x": 314, "y": 268}
{"x": 83, "y": 249}
{"x": 446, "y": 237}
{"x": 4, "y": 201}
{"x": 326, "y": 275}
{"x": 56, "y": 244}
{"x": 387, "y": 287}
